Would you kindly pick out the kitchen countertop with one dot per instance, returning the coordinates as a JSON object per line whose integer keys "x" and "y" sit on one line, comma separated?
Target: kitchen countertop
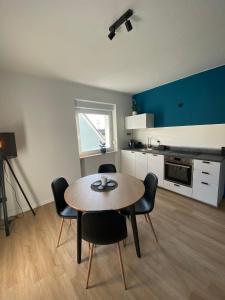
{"x": 211, "y": 155}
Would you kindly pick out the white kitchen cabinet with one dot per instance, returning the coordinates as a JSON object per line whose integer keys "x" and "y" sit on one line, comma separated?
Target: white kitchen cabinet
{"x": 156, "y": 166}
{"x": 210, "y": 167}
{"x": 129, "y": 122}
{"x": 139, "y": 121}
{"x": 128, "y": 162}
{"x": 205, "y": 176}
{"x": 205, "y": 191}
{"x": 178, "y": 188}
{"x": 141, "y": 165}
{"x": 208, "y": 181}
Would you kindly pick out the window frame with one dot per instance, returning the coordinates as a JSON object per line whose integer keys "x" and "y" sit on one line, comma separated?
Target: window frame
{"x": 98, "y": 111}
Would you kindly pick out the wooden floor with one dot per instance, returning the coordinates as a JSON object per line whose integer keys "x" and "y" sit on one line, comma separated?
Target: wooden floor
{"x": 187, "y": 263}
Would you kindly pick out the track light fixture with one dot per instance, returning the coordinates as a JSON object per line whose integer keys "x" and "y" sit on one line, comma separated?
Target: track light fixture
{"x": 128, "y": 25}
{"x": 123, "y": 19}
{"x": 111, "y": 35}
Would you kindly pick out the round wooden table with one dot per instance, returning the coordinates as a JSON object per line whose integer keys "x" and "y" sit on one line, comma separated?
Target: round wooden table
{"x": 80, "y": 196}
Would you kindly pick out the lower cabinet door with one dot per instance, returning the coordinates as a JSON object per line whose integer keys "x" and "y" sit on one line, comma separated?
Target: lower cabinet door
{"x": 141, "y": 165}
{"x": 128, "y": 162}
{"x": 156, "y": 166}
{"x": 205, "y": 192}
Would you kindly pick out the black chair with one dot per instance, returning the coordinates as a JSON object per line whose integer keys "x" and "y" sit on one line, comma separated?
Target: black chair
{"x": 59, "y": 186}
{"x": 146, "y": 204}
{"x": 107, "y": 168}
{"x": 104, "y": 228}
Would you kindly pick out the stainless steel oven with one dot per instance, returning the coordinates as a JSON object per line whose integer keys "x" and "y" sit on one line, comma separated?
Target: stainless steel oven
{"x": 178, "y": 170}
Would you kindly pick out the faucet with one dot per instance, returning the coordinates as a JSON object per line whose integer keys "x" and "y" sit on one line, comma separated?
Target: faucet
{"x": 149, "y": 146}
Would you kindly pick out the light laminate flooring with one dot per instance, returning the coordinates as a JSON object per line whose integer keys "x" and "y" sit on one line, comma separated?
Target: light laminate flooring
{"x": 188, "y": 263}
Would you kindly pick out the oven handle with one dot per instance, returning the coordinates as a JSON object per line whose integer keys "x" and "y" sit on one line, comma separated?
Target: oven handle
{"x": 183, "y": 166}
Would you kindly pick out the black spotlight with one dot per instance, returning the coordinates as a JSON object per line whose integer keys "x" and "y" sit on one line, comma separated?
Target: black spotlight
{"x": 128, "y": 25}
{"x": 123, "y": 19}
{"x": 111, "y": 35}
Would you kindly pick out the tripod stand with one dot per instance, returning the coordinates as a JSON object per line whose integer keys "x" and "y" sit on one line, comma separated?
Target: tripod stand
{"x": 3, "y": 198}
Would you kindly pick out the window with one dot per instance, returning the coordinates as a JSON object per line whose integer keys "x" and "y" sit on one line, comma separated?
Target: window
{"x": 94, "y": 126}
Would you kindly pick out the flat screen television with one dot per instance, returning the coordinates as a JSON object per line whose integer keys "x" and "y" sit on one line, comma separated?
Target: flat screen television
{"x": 7, "y": 145}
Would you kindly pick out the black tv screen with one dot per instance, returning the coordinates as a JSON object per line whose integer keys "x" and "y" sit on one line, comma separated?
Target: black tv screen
{"x": 8, "y": 145}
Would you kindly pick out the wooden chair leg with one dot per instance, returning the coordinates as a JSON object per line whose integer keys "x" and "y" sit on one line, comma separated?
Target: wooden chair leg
{"x": 70, "y": 224}
{"x": 150, "y": 222}
{"x": 146, "y": 219}
{"x": 89, "y": 264}
{"x": 60, "y": 232}
{"x": 121, "y": 266}
{"x": 124, "y": 243}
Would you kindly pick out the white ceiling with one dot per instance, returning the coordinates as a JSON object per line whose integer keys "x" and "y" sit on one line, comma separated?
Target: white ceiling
{"x": 67, "y": 39}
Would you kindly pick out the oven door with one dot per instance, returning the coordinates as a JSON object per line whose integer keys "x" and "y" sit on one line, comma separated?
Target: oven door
{"x": 178, "y": 173}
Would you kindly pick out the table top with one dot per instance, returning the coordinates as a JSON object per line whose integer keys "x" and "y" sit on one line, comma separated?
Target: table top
{"x": 80, "y": 196}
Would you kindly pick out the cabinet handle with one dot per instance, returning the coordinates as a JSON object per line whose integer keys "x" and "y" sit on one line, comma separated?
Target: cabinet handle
{"x": 176, "y": 184}
{"x": 132, "y": 152}
{"x": 204, "y": 183}
{"x": 143, "y": 153}
{"x": 203, "y": 172}
{"x": 206, "y": 162}
{"x": 155, "y": 154}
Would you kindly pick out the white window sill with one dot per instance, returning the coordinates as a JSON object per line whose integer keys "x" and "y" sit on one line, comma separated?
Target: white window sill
{"x": 96, "y": 154}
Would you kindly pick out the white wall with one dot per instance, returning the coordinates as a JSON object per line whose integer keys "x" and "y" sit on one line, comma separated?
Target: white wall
{"x": 41, "y": 113}
{"x": 90, "y": 165}
{"x": 206, "y": 136}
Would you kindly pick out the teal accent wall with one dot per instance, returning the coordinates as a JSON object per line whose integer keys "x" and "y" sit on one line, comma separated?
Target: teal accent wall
{"x": 195, "y": 100}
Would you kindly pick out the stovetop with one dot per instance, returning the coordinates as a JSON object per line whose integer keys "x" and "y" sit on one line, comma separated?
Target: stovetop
{"x": 182, "y": 153}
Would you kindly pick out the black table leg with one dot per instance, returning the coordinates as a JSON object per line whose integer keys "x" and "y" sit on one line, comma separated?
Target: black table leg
{"x": 135, "y": 231}
{"x": 79, "y": 238}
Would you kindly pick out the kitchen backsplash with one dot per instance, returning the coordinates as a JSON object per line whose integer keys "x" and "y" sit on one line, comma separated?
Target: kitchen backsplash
{"x": 203, "y": 136}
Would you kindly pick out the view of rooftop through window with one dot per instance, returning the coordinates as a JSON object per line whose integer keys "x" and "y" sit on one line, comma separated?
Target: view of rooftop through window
{"x": 94, "y": 128}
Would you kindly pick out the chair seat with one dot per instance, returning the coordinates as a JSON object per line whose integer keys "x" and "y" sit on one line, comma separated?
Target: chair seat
{"x": 143, "y": 206}
{"x": 69, "y": 213}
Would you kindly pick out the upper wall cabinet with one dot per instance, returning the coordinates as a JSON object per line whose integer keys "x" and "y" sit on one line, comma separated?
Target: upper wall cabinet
{"x": 139, "y": 121}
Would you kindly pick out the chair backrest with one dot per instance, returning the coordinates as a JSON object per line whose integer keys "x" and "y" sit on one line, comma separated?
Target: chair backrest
{"x": 59, "y": 186}
{"x": 151, "y": 183}
{"x": 107, "y": 168}
{"x": 103, "y": 228}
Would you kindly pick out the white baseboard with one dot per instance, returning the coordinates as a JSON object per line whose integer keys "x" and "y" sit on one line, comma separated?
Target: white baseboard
{"x": 16, "y": 211}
